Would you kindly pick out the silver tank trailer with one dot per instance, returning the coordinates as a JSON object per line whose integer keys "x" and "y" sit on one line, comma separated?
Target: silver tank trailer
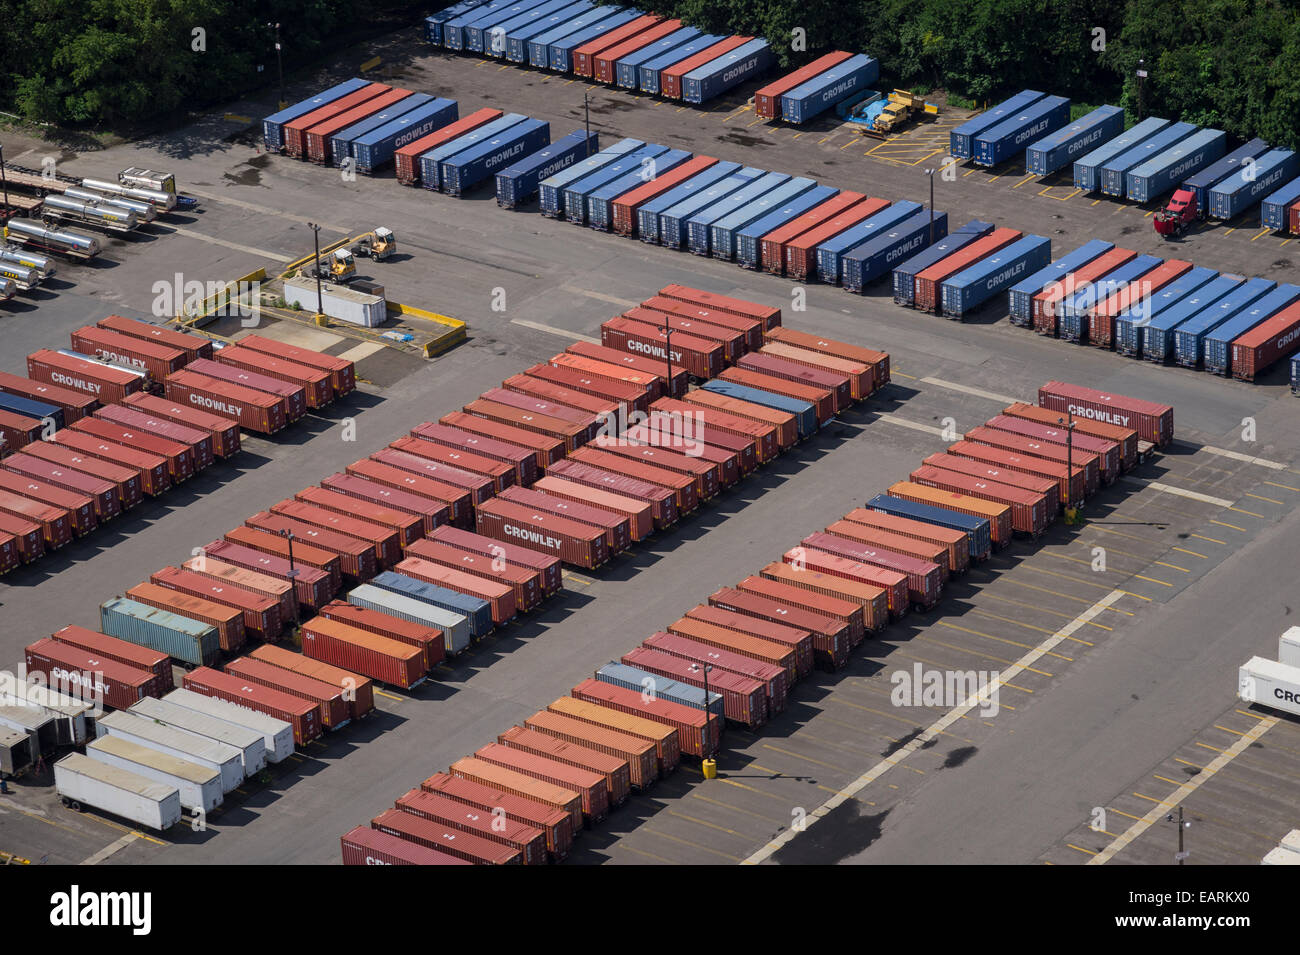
{"x": 116, "y": 218}
{"x": 59, "y": 240}
{"x": 143, "y": 211}
{"x": 163, "y": 200}
{"x": 17, "y": 256}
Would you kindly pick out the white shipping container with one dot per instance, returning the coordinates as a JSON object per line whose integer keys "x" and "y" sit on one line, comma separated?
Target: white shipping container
{"x": 344, "y": 304}
{"x": 249, "y": 742}
{"x": 1270, "y": 684}
{"x": 1280, "y": 856}
{"x": 277, "y": 735}
{"x": 199, "y": 786}
{"x": 1288, "y": 647}
{"x": 74, "y": 717}
{"x": 168, "y": 739}
{"x": 83, "y": 782}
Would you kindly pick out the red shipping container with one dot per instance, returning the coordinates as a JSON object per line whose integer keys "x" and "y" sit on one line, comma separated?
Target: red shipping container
{"x": 125, "y": 480}
{"x": 653, "y": 367}
{"x": 500, "y": 596}
{"x": 104, "y": 383}
{"x": 254, "y": 410}
{"x": 472, "y": 466}
{"x": 861, "y": 377}
{"x": 637, "y": 756}
{"x": 355, "y": 685}
{"x": 744, "y": 700}
{"x": 1051, "y": 490}
{"x": 830, "y": 635}
{"x": 574, "y": 543}
{"x": 583, "y": 63}
{"x": 1126, "y": 438}
{"x": 546, "y": 450}
{"x": 600, "y": 408}
{"x": 731, "y": 340}
{"x": 733, "y": 641}
{"x": 787, "y": 428}
{"x": 662, "y": 501}
{"x": 767, "y": 100}
{"x": 442, "y": 838}
{"x": 770, "y": 315}
{"x": 302, "y": 715}
{"x": 363, "y": 846}
{"x": 928, "y": 281}
{"x": 193, "y": 346}
{"x": 615, "y": 526}
{"x": 669, "y": 435}
{"x": 837, "y": 384}
{"x": 619, "y": 393}
{"x": 17, "y": 430}
{"x": 847, "y": 612}
{"x": 682, "y": 486}
{"x": 21, "y": 536}
{"x": 153, "y": 358}
{"x": 86, "y": 676}
{"x": 572, "y": 435}
{"x": 801, "y": 251}
{"x": 223, "y": 433}
{"x": 703, "y": 473}
{"x": 293, "y": 396}
{"x": 799, "y": 641}
{"x": 255, "y": 582}
{"x": 383, "y": 540}
{"x": 430, "y": 459}
{"x": 771, "y": 676}
{"x": 590, "y": 786}
{"x": 670, "y": 423}
{"x": 430, "y": 641}
{"x": 1081, "y": 460}
{"x": 822, "y": 399}
{"x": 1106, "y": 450}
{"x": 661, "y": 736}
{"x": 548, "y": 568}
{"x": 356, "y": 557}
{"x": 877, "y": 361}
{"x": 369, "y": 654}
{"x": 670, "y": 77}
{"x": 121, "y": 651}
{"x": 274, "y": 544}
{"x": 521, "y": 461}
{"x": 228, "y": 620}
{"x": 79, "y": 508}
{"x": 409, "y": 527}
{"x": 603, "y": 61}
{"x": 1153, "y": 422}
{"x": 318, "y": 388}
{"x": 527, "y": 840}
{"x": 407, "y": 157}
{"x": 198, "y": 442}
{"x": 399, "y": 471}
{"x": 1047, "y": 302}
{"x": 998, "y": 515}
{"x": 1069, "y": 484}
{"x": 698, "y": 733}
{"x": 334, "y": 709}
{"x": 650, "y": 383}
{"x": 102, "y": 494}
{"x": 429, "y": 513}
{"x": 1293, "y": 219}
{"x": 933, "y": 553}
{"x": 552, "y": 821}
{"x": 871, "y": 598}
{"x": 954, "y": 543}
{"x": 295, "y": 142}
{"x": 312, "y": 586}
{"x": 772, "y": 246}
{"x": 519, "y": 784}
{"x": 9, "y": 556}
{"x": 640, "y": 513}
{"x": 750, "y": 328}
{"x": 535, "y": 405}
{"x": 626, "y": 205}
{"x": 614, "y": 770}
{"x": 75, "y": 404}
{"x": 177, "y": 457}
{"x": 316, "y": 138}
{"x": 261, "y": 614}
{"x": 892, "y": 582}
{"x": 924, "y": 579}
{"x": 524, "y": 583}
{"x": 55, "y": 522}
{"x": 701, "y": 357}
{"x": 1257, "y": 349}
{"x": 343, "y": 377}
{"x": 1101, "y": 319}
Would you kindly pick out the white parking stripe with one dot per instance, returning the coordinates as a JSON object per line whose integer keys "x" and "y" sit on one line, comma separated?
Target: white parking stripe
{"x": 111, "y": 848}
{"x": 1170, "y": 489}
{"x": 1238, "y": 456}
{"x": 967, "y": 390}
{"x": 538, "y": 326}
{"x": 914, "y": 425}
{"x": 212, "y": 240}
{"x": 600, "y": 296}
{"x": 937, "y": 728}
{"x": 263, "y": 210}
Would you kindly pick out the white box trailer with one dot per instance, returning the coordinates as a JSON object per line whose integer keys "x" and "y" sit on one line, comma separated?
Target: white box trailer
{"x": 338, "y": 302}
{"x": 73, "y": 718}
{"x": 82, "y": 782}
{"x": 15, "y": 751}
{"x": 1288, "y": 647}
{"x": 248, "y": 742}
{"x": 1270, "y": 683}
{"x": 199, "y": 786}
{"x": 277, "y": 735}
{"x": 36, "y": 723}
{"x": 168, "y": 739}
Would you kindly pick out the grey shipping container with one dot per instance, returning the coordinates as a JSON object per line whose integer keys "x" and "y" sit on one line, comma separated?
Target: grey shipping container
{"x": 478, "y": 612}
{"x": 82, "y": 782}
{"x": 539, "y": 46}
{"x": 600, "y": 202}
{"x": 717, "y": 76}
{"x": 576, "y": 192}
{"x": 249, "y": 742}
{"x": 184, "y": 639}
{"x": 662, "y": 687}
{"x": 698, "y": 226}
{"x": 168, "y": 739}
{"x": 1129, "y": 324}
{"x": 277, "y": 735}
{"x": 1059, "y": 149}
{"x": 974, "y": 286}
{"x": 454, "y": 626}
{"x": 73, "y": 718}
{"x": 830, "y": 253}
{"x": 15, "y": 751}
{"x": 199, "y": 786}
{"x": 724, "y": 239}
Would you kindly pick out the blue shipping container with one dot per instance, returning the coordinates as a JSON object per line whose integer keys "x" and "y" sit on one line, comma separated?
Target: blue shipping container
{"x": 829, "y": 253}
{"x": 1158, "y": 333}
{"x": 22, "y": 405}
{"x": 1257, "y": 178}
{"x": 188, "y": 640}
{"x": 648, "y": 72}
{"x": 699, "y": 225}
{"x": 961, "y": 141}
{"x": 340, "y": 144}
{"x": 1217, "y": 344}
{"x": 1294, "y": 362}
{"x": 905, "y": 273}
{"x": 1115, "y": 171}
{"x": 377, "y": 147}
{"x": 534, "y": 23}
{"x": 642, "y": 681}
{"x": 539, "y": 47}
{"x": 1273, "y": 210}
{"x": 1201, "y": 183}
{"x": 863, "y": 265}
{"x": 647, "y": 214}
{"x": 273, "y": 125}
{"x": 560, "y": 52}
{"x": 627, "y": 71}
{"x": 714, "y": 78}
{"x": 673, "y": 232}
{"x": 805, "y": 414}
{"x": 600, "y": 202}
{"x": 1059, "y": 149}
{"x": 1009, "y": 137}
{"x": 477, "y": 611}
{"x": 974, "y": 286}
{"x": 463, "y": 171}
{"x": 978, "y": 531}
{"x": 575, "y": 194}
{"x": 749, "y": 249}
{"x": 1189, "y": 337}
{"x": 484, "y": 33}
{"x": 1023, "y": 292}
{"x": 1087, "y": 169}
{"x": 433, "y": 24}
{"x": 518, "y": 183}
{"x": 1074, "y": 310}
{"x": 430, "y": 161}
{"x": 552, "y": 188}
{"x": 1161, "y": 173}
{"x": 454, "y": 29}
{"x": 822, "y": 92}
{"x": 722, "y": 233}
{"x": 1129, "y": 324}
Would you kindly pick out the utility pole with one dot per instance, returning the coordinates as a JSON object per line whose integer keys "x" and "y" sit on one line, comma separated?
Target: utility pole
{"x": 320, "y": 301}
{"x": 293, "y": 571}
{"x": 279, "y": 62}
{"x": 1141, "y": 76}
{"x": 708, "y": 756}
{"x": 930, "y": 173}
{"x": 1182, "y": 855}
{"x": 4, "y": 181}
{"x": 1068, "y": 423}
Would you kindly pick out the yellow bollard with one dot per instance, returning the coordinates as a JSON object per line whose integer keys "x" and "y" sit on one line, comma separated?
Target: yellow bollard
{"x": 710, "y": 767}
{"x": 1071, "y": 515}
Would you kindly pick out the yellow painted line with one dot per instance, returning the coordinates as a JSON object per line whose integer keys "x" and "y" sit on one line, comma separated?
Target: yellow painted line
{"x": 1223, "y": 524}
{"x": 1018, "y": 623}
{"x": 1287, "y": 487}
{"x": 1260, "y": 234}
{"x": 623, "y": 846}
{"x": 1229, "y": 232}
{"x": 1241, "y": 510}
{"x": 1079, "y": 849}
{"x": 570, "y": 81}
{"x": 1014, "y": 643}
{"x": 754, "y": 123}
{"x": 895, "y": 371}
{"x": 975, "y": 653}
{"x": 1213, "y": 749}
{"x": 732, "y": 782}
{"x": 387, "y": 696}
{"x": 1149, "y": 214}
{"x": 823, "y": 139}
{"x": 1166, "y": 779}
{"x": 1229, "y": 731}
{"x": 701, "y": 822}
{"x": 846, "y": 145}
{"x": 965, "y": 174}
{"x": 693, "y": 845}
{"x": 1055, "y": 593}
{"x": 1121, "y": 812}
{"x": 1152, "y": 580}
{"x": 731, "y": 808}
{"x": 1184, "y": 550}
{"x": 1187, "y": 762}
{"x": 1023, "y": 181}
{"x": 1054, "y": 613}
{"x": 1261, "y": 498}
{"x": 679, "y": 109}
{"x": 1174, "y": 566}
{"x": 1285, "y": 242}
{"x": 796, "y": 135}
{"x": 1159, "y": 810}
{"x": 815, "y": 762}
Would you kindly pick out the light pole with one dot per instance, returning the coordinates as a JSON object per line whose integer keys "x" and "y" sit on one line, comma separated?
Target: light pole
{"x": 668, "y": 354}
{"x": 279, "y": 62}
{"x": 703, "y": 669}
{"x": 4, "y": 181}
{"x": 930, "y": 173}
{"x": 320, "y": 301}
{"x": 1182, "y": 827}
{"x": 293, "y": 571}
{"x": 1068, "y": 424}
{"x": 1141, "y": 75}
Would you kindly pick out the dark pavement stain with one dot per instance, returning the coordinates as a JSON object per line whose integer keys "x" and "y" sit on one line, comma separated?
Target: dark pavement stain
{"x": 902, "y": 741}
{"x": 959, "y": 756}
{"x": 743, "y": 139}
{"x": 841, "y": 833}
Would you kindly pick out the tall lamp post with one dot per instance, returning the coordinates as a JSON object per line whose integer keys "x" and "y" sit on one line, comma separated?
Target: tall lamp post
{"x": 320, "y": 301}
{"x": 1183, "y": 826}
{"x": 1068, "y": 423}
{"x": 1141, "y": 77}
{"x": 293, "y": 571}
{"x": 4, "y": 181}
{"x": 279, "y": 62}
{"x": 710, "y": 763}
